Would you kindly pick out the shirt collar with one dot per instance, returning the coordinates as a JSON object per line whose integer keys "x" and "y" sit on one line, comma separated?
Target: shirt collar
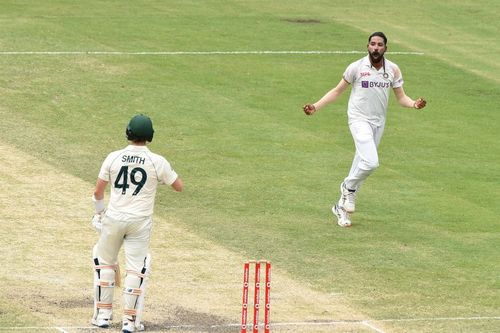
{"x": 366, "y": 61}
{"x": 137, "y": 148}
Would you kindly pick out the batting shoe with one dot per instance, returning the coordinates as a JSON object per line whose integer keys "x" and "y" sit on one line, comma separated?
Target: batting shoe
{"x": 347, "y": 199}
{"x": 129, "y": 326}
{"x": 101, "y": 322}
{"x": 342, "y": 216}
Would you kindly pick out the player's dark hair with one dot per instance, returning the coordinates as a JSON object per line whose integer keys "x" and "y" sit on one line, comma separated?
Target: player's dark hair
{"x": 378, "y": 34}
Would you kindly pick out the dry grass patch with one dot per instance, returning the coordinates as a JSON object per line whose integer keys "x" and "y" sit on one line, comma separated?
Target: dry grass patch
{"x": 196, "y": 284}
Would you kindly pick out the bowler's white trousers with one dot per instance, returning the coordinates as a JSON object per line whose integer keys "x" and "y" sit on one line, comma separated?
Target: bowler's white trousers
{"x": 366, "y": 138}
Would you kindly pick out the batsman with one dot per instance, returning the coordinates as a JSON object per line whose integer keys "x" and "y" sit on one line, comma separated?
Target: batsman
{"x": 134, "y": 174}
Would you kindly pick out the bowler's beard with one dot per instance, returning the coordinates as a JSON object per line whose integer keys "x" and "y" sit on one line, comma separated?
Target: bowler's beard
{"x": 376, "y": 57}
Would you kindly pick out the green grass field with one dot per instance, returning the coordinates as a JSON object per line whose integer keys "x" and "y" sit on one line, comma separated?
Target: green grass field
{"x": 423, "y": 253}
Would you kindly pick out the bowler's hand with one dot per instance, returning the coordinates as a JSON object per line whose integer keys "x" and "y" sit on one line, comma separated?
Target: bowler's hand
{"x": 420, "y": 103}
{"x": 309, "y": 109}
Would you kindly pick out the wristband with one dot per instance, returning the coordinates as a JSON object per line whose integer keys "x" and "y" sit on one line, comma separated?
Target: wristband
{"x": 98, "y": 204}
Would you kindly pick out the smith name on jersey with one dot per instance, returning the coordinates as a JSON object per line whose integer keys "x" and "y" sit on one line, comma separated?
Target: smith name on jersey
{"x": 134, "y": 174}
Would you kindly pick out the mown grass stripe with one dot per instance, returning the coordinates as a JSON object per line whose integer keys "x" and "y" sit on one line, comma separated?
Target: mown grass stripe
{"x": 173, "y": 53}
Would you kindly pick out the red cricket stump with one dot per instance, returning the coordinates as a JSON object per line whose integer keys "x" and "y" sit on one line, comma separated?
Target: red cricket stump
{"x": 256, "y": 296}
{"x": 267, "y": 311}
{"x": 244, "y": 310}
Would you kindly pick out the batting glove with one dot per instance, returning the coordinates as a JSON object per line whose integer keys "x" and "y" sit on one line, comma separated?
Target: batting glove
{"x": 97, "y": 221}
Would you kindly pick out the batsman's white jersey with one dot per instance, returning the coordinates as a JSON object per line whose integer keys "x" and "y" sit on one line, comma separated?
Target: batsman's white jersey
{"x": 134, "y": 174}
{"x": 370, "y": 90}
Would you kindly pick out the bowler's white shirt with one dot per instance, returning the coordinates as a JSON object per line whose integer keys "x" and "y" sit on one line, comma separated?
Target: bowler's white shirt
{"x": 134, "y": 173}
{"x": 370, "y": 90}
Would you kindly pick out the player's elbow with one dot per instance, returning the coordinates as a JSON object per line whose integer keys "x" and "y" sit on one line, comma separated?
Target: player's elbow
{"x": 99, "y": 189}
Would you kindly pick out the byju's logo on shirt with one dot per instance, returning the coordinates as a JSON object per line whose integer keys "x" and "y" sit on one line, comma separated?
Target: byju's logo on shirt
{"x": 369, "y": 84}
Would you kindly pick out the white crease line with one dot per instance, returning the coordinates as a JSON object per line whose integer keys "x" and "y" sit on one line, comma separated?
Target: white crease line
{"x": 58, "y": 328}
{"x": 439, "y": 319}
{"x": 174, "y": 53}
{"x": 367, "y": 323}
{"x": 61, "y": 330}
{"x": 373, "y": 327}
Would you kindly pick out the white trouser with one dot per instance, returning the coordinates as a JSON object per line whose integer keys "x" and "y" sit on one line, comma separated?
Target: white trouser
{"x": 134, "y": 236}
{"x": 366, "y": 138}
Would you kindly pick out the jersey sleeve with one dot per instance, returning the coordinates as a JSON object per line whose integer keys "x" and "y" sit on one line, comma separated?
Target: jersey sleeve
{"x": 350, "y": 73}
{"x": 104, "y": 172}
{"x": 166, "y": 174}
{"x": 398, "y": 78}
